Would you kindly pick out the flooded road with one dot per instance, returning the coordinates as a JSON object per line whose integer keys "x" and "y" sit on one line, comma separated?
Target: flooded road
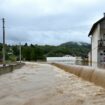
{"x": 44, "y": 84}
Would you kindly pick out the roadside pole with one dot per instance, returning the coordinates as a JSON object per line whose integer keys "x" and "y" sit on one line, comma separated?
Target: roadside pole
{"x": 20, "y": 52}
{"x": 3, "y": 22}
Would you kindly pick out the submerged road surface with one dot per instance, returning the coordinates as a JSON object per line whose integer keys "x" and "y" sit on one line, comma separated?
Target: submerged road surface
{"x": 43, "y": 84}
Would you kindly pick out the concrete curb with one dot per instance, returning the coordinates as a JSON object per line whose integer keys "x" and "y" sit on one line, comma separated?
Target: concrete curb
{"x": 10, "y": 68}
{"x": 94, "y": 75}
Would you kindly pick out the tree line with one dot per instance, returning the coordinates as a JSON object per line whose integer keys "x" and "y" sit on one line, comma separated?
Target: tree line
{"x": 40, "y": 52}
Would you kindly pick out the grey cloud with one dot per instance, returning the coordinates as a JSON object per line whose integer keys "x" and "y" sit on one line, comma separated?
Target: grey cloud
{"x": 28, "y": 23}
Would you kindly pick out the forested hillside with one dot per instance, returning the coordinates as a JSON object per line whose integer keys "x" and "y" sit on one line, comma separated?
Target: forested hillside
{"x": 40, "y": 52}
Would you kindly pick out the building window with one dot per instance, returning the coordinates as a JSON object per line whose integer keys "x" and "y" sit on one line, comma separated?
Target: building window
{"x": 101, "y": 53}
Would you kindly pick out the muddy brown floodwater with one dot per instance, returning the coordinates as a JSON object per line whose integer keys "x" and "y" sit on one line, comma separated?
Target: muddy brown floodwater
{"x": 44, "y": 84}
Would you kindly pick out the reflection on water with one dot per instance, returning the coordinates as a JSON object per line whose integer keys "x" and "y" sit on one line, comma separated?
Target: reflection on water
{"x": 84, "y": 63}
{"x": 102, "y": 66}
{"x": 98, "y": 65}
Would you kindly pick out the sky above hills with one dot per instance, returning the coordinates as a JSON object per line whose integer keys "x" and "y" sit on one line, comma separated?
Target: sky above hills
{"x": 49, "y": 21}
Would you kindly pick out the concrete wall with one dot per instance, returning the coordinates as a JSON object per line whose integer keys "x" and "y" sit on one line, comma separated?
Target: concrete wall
{"x": 97, "y": 76}
{"x": 10, "y": 68}
{"x": 95, "y": 38}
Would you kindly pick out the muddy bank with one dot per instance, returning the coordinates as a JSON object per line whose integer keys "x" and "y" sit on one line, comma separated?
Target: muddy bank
{"x": 94, "y": 75}
{"x": 43, "y": 84}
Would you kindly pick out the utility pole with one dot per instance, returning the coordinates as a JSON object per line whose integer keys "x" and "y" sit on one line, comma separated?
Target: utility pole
{"x": 20, "y": 52}
{"x": 3, "y": 22}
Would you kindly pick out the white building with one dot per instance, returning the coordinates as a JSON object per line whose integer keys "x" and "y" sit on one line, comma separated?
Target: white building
{"x": 65, "y": 59}
{"x": 97, "y": 34}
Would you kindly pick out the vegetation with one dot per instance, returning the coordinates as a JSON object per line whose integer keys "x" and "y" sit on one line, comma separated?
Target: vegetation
{"x": 40, "y": 52}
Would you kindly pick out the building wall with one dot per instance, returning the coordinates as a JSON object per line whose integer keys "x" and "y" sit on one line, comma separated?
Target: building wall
{"x": 95, "y": 38}
{"x": 101, "y": 52}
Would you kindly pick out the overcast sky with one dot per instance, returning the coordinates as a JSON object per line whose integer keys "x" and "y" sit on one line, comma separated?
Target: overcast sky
{"x": 49, "y": 21}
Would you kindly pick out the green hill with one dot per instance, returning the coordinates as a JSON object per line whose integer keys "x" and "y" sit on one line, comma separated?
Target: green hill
{"x": 71, "y": 48}
{"x": 40, "y": 52}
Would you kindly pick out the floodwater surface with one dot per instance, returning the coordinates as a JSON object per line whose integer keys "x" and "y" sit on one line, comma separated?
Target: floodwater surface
{"x": 44, "y": 84}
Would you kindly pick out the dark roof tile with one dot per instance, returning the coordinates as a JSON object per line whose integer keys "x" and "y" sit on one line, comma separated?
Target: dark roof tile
{"x": 94, "y": 26}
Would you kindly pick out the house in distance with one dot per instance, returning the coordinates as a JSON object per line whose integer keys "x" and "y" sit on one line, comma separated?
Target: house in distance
{"x": 97, "y": 34}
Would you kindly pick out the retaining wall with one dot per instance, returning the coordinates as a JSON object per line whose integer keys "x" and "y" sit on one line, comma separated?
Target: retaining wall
{"x": 10, "y": 68}
{"x": 94, "y": 75}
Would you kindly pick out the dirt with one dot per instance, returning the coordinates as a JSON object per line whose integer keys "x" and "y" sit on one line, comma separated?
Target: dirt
{"x": 44, "y": 84}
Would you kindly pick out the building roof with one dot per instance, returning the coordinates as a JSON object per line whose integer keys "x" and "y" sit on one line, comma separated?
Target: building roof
{"x": 94, "y": 26}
